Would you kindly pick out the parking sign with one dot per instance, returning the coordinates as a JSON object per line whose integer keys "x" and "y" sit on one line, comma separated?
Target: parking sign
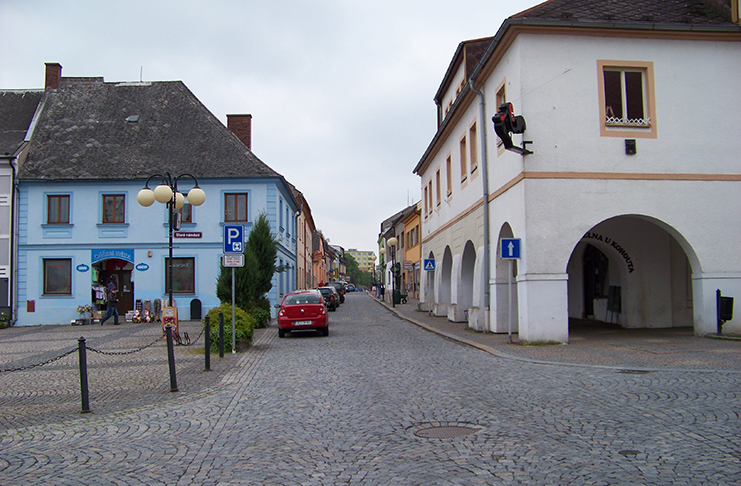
{"x": 233, "y": 239}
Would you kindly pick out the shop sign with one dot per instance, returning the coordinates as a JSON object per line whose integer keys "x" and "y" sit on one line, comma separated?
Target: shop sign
{"x": 106, "y": 254}
{"x": 142, "y": 267}
{"x": 82, "y": 267}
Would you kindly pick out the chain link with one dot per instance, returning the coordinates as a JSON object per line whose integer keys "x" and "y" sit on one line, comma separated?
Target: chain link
{"x": 121, "y": 353}
{"x": 184, "y": 341}
{"x": 28, "y": 367}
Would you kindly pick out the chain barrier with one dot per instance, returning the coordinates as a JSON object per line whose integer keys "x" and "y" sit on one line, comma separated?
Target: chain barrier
{"x": 185, "y": 340}
{"x": 181, "y": 341}
{"x": 121, "y": 353}
{"x": 28, "y": 367}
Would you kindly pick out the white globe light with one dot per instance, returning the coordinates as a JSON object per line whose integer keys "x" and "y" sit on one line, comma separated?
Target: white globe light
{"x": 145, "y": 197}
{"x": 393, "y": 241}
{"x": 196, "y": 196}
{"x": 382, "y": 251}
{"x": 179, "y": 200}
{"x": 163, "y": 193}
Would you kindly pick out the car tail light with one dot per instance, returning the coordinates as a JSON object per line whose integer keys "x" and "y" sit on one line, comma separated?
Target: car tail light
{"x": 322, "y": 310}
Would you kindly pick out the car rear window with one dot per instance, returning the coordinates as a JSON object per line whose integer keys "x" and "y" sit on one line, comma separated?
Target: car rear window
{"x": 302, "y": 299}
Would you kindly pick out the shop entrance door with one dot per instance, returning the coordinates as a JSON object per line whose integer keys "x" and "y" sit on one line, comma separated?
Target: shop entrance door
{"x": 125, "y": 286}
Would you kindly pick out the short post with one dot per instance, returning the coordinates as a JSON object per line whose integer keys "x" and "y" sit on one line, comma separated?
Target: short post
{"x": 717, "y": 311}
{"x": 221, "y": 334}
{"x": 171, "y": 359}
{"x": 208, "y": 343}
{"x": 85, "y": 397}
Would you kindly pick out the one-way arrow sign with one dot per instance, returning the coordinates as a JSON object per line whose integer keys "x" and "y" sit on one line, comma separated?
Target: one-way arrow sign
{"x": 510, "y": 248}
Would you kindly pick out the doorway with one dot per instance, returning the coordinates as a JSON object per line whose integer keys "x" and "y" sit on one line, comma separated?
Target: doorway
{"x": 120, "y": 271}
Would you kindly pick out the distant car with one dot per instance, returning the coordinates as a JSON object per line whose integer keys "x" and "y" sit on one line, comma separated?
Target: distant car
{"x": 303, "y": 310}
{"x": 350, "y": 288}
{"x": 331, "y": 297}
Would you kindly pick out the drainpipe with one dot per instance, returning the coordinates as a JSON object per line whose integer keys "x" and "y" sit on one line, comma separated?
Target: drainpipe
{"x": 11, "y": 267}
{"x": 485, "y": 177}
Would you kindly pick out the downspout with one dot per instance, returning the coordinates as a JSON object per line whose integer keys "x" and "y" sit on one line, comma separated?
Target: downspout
{"x": 485, "y": 177}
{"x": 11, "y": 268}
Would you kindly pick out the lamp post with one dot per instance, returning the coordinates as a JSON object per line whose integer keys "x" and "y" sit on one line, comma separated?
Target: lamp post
{"x": 393, "y": 241}
{"x": 167, "y": 193}
{"x": 382, "y": 260}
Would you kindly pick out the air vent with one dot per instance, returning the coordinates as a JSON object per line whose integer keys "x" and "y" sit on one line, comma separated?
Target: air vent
{"x": 133, "y": 119}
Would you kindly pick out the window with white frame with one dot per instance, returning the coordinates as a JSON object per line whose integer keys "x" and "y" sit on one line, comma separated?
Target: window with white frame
{"x": 627, "y": 107}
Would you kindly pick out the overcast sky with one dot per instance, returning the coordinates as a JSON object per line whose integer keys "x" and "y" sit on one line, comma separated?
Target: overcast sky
{"x": 340, "y": 90}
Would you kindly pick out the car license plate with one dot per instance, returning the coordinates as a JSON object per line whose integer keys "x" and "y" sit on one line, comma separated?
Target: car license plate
{"x": 301, "y": 323}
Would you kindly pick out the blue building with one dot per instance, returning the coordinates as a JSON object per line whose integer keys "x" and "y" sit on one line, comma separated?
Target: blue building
{"x": 93, "y": 145}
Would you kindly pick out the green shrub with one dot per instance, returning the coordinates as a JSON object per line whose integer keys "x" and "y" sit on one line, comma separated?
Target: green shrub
{"x": 262, "y": 317}
{"x": 245, "y": 326}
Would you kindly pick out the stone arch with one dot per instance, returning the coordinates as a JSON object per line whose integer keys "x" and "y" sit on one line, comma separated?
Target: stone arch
{"x": 500, "y": 307}
{"x": 649, "y": 275}
{"x": 443, "y": 283}
{"x": 465, "y": 285}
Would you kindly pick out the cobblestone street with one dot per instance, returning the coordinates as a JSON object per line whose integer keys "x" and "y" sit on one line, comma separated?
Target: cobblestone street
{"x": 380, "y": 401}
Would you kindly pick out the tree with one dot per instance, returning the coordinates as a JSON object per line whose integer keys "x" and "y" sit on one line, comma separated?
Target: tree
{"x": 253, "y": 280}
{"x": 356, "y": 275}
{"x": 263, "y": 245}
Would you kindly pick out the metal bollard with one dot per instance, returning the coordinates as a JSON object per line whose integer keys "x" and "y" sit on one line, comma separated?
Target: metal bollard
{"x": 207, "y": 330}
{"x": 221, "y": 334}
{"x": 85, "y": 396}
{"x": 171, "y": 359}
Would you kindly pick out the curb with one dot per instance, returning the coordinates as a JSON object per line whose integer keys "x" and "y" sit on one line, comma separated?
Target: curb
{"x": 500, "y": 354}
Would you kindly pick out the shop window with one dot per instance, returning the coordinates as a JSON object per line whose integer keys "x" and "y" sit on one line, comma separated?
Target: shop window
{"x": 235, "y": 208}
{"x": 57, "y": 209}
{"x": 183, "y": 275}
{"x": 114, "y": 208}
{"x": 627, "y": 105}
{"x": 58, "y": 276}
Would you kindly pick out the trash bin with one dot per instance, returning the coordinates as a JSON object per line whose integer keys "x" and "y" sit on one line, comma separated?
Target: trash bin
{"x": 195, "y": 310}
{"x": 397, "y": 296}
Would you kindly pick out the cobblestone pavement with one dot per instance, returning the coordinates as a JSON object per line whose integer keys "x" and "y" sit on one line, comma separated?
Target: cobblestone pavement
{"x": 379, "y": 401}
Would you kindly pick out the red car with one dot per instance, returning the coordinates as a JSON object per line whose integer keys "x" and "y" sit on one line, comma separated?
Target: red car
{"x": 302, "y": 310}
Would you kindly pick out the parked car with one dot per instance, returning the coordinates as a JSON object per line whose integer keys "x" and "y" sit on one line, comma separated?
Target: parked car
{"x": 331, "y": 297}
{"x": 350, "y": 288}
{"x": 303, "y": 310}
{"x": 340, "y": 289}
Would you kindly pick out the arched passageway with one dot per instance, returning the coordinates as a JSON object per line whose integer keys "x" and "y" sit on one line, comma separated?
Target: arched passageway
{"x": 632, "y": 272}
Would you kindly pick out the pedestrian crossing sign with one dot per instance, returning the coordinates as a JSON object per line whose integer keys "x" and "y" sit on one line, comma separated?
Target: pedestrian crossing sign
{"x": 429, "y": 264}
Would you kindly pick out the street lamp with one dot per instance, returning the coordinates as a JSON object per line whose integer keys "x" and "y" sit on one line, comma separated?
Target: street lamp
{"x": 167, "y": 193}
{"x": 382, "y": 251}
{"x": 393, "y": 241}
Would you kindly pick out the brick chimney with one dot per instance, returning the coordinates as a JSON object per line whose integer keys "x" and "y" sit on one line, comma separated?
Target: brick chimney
{"x": 53, "y": 75}
{"x": 241, "y": 126}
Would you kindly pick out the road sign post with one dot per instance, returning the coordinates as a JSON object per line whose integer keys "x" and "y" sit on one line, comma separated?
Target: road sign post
{"x": 509, "y": 249}
{"x": 233, "y": 257}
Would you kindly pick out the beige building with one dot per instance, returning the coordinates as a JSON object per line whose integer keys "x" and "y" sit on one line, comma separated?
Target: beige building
{"x": 366, "y": 259}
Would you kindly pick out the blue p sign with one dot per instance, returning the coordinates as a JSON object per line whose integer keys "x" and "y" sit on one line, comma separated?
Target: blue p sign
{"x": 234, "y": 239}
